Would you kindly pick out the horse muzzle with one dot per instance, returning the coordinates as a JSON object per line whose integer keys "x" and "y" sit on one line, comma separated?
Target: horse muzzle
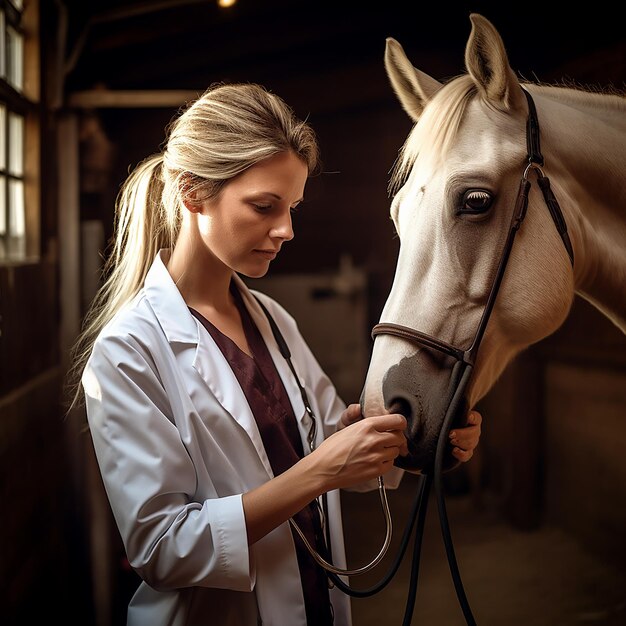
{"x": 425, "y": 393}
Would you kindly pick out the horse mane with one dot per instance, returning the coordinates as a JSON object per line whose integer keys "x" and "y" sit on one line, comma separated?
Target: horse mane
{"x": 574, "y": 94}
{"x": 432, "y": 135}
{"x": 583, "y": 90}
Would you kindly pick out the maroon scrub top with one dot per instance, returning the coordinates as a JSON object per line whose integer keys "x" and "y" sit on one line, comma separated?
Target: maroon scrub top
{"x": 273, "y": 412}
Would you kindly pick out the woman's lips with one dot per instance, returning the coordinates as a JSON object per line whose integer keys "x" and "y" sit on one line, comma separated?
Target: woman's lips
{"x": 268, "y": 254}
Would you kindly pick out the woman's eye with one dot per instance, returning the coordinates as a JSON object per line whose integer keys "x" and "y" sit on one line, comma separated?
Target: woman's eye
{"x": 475, "y": 202}
{"x": 267, "y": 208}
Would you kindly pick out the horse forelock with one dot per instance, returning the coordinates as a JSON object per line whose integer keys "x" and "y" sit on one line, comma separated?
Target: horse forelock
{"x": 433, "y": 134}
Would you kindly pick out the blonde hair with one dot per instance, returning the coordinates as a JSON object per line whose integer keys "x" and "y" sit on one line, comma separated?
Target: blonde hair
{"x": 230, "y": 128}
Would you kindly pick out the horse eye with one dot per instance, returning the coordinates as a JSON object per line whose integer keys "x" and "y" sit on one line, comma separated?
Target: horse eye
{"x": 475, "y": 202}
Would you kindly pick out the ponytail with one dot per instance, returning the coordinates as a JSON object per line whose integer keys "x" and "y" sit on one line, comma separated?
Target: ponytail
{"x": 140, "y": 231}
{"x": 143, "y": 225}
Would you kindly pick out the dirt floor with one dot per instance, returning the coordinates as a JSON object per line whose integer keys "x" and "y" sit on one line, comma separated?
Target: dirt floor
{"x": 510, "y": 577}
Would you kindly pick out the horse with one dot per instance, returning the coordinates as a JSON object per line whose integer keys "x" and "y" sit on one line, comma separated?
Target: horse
{"x": 461, "y": 183}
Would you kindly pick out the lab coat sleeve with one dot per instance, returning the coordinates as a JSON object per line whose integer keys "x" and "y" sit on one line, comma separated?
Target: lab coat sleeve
{"x": 171, "y": 540}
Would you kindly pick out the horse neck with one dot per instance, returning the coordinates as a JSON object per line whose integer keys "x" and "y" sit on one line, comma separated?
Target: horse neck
{"x": 590, "y": 177}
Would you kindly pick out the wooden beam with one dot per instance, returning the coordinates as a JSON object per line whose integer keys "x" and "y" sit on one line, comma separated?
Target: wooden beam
{"x": 143, "y": 99}
{"x": 69, "y": 236}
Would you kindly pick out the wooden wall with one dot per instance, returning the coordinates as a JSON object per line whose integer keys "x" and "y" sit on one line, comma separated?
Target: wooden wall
{"x": 43, "y": 570}
{"x": 44, "y": 565}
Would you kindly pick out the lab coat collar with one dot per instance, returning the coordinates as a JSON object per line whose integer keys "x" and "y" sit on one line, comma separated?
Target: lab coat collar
{"x": 180, "y": 326}
{"x": 167, "y": 302}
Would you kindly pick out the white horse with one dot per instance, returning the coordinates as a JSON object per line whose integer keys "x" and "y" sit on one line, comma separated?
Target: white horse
{"x": 455, "y": 187}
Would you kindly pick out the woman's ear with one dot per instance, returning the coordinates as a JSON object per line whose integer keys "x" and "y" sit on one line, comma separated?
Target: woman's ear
{"x": 189, "y": 194}
{"x": 191, "y": 204}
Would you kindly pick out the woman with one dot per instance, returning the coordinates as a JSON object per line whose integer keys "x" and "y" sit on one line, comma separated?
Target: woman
{"x": 199, "y": 424}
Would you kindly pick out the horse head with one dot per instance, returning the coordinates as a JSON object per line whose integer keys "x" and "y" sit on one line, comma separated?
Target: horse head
{"x": 454, "y": 190}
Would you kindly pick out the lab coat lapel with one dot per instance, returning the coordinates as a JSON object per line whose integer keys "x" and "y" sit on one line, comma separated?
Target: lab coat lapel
{"x": 219, "y": 377}
{"x": 180, "y": 326}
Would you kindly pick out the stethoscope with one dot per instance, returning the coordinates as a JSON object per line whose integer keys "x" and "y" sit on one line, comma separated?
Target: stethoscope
{"x": 332, "y": 572}
{"x": 322, "y": 501}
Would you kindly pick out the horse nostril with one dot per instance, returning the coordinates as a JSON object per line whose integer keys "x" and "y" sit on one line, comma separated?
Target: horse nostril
{"x": 401, "y": 406}
{"x": 413, "y": 432}
{"x": 411, "y": 412}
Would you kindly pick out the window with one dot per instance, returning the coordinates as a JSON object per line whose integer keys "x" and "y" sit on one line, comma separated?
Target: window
{"x": 18, "y": 135}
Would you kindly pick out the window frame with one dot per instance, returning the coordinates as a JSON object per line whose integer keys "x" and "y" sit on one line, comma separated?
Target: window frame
{"x": 23, "y": 102}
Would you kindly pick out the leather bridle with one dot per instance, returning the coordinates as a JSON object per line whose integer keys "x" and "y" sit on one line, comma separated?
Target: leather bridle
{"x": 466, "y": 358}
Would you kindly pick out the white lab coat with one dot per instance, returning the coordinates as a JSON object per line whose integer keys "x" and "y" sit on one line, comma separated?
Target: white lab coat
{"x": 177, "y": 446}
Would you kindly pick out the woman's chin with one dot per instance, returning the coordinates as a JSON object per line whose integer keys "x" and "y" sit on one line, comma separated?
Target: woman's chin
{"x": 257, "y": 272}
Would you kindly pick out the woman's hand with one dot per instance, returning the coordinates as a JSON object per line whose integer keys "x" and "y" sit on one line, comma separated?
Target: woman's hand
{"x": 360, "y": 449}
{"x": 351, "y": 414}
{"x": 464, "y": 440}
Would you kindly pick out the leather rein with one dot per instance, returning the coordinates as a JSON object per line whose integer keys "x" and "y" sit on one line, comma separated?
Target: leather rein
{"x": 466, "y": 359}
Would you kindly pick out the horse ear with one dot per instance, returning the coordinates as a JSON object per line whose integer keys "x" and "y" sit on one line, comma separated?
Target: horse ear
{"x": 488, "y": 65}
{"x": 413, "y": 88}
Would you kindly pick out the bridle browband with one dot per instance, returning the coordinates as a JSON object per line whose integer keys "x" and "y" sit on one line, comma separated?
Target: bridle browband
{"x": 466, "y": 359}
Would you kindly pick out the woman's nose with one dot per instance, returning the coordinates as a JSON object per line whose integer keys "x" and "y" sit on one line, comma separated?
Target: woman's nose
{"x": 283, "y": 228}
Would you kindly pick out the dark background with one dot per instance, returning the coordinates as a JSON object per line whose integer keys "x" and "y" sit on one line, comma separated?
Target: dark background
{"x": 132, "y": 45}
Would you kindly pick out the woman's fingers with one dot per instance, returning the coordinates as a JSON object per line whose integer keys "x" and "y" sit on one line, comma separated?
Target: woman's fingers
{"x": 462, "y": 455}
{"x": 391, "y": 428}
{"x": 362, "y": 449}
{"x": 351, "y": 414}
{"x": 466, "y": 439}
{"x": 391, "y": 421}
{"x": 374, "y": 443}
{"x": 383, "y": 435}
{"x": 474, "y": 418}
